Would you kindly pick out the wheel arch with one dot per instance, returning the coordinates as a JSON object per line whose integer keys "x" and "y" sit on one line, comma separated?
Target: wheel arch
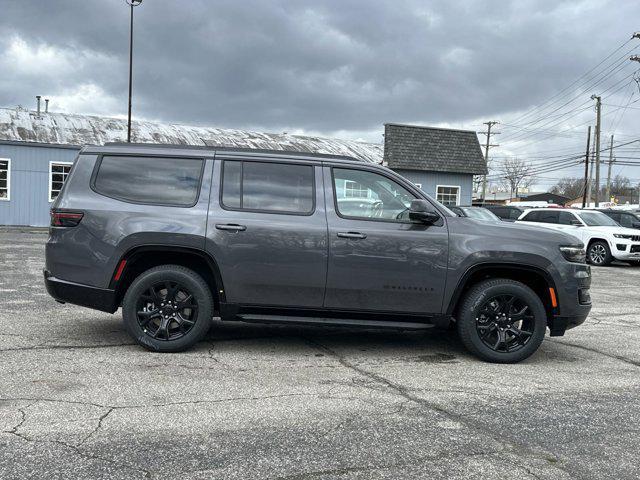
{"x": 141, "y": 258}
{"x": 537, "y": 279}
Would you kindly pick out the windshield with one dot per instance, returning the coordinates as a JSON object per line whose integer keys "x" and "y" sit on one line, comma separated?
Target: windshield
{"x": 597, "y": 219}
{"x": 481, "y": 214}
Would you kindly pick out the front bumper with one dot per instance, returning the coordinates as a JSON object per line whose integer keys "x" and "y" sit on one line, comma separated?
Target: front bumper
{"x": 622, "y": 250}
{"x": 102, "y": 299}
{"x": 574, "y": 300}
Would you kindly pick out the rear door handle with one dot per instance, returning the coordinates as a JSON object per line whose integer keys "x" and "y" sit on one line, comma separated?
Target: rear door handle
{"x": 231, "y": 227}
{"x": 355, "y": 235}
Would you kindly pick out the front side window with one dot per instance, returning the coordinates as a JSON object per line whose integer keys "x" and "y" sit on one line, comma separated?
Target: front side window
{"x": 58, "y": 173}
{"x": 268, "y": 187}
{"x": 381, "y": 199}
{"x": 448, "y": 195}
{"x": 150, "y": 180}
{"x": 5, "y": 187}
{"x": 626, "y": 220}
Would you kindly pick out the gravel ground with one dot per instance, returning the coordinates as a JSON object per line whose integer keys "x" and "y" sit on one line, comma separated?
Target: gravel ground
{"x": 79, "y": 400}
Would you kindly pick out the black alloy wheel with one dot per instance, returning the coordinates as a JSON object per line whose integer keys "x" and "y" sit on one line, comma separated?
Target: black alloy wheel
{"x": 167, "y": 311}
{"x": 505, "y": 323}
{"x": 501, "y": 320}
{"x": 168, "y": 308}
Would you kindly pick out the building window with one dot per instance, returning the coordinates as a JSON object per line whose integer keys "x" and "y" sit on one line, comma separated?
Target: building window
{"x": 58, "y": 173}
{"x": 5, "y": 185}
{"x": 355, "y": 190}
{"x": 448, "y": 194}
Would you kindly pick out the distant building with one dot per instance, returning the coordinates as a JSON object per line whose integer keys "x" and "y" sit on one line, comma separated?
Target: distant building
{"x": 37, "y": 151}
{"x": 442, "y": 162}
{"x": 545, "y": 197}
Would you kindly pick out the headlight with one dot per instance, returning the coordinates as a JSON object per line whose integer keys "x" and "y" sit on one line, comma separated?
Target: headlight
{"x": 574, "y": 253}
{"x": 620, "y": 235}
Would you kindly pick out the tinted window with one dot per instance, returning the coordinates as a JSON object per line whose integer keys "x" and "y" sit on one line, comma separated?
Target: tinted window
{"x": 501, "y": 212}
{"x": 549, "y": 216}
{"x": 168, "y": 181}
{"x": 626, "y": 220}
{"x": 380, "y": 198}
{"x": 514, "y": 213}
{"x": 268, "y": 187}
{"x": 566, "y": 218}
{"x": 532, "y": 217}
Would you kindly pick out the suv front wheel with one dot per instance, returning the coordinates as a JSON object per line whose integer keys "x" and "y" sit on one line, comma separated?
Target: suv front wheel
{"x": 501, "y": 321}
{"x": 599, "y": 253}
{"x": 168, "y": 308}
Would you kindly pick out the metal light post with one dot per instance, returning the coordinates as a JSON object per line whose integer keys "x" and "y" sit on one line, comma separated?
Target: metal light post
{"x": 131, "y": 3}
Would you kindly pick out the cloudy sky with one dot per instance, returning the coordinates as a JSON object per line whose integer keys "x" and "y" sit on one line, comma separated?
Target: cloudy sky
{"x": 339, "y": 67}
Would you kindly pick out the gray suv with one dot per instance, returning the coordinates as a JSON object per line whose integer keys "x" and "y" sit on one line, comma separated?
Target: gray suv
{"x": 178, "y": 235}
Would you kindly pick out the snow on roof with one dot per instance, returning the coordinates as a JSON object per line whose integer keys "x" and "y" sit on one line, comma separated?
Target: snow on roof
{"x": 70, "y": 129}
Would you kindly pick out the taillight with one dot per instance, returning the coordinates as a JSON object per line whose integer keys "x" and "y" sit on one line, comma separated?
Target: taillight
{"x": 65, "y": 219}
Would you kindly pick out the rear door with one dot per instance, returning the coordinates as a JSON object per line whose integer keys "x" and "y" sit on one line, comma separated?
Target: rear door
{"x": 378, "y": 259}
{"x": 267, "y": 230}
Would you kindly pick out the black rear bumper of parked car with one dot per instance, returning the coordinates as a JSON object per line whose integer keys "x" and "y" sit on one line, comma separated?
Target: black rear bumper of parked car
{"x": 63, "y": 291}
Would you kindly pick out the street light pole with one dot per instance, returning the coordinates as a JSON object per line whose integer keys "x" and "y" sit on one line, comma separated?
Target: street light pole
{"x": 131, "y": 3}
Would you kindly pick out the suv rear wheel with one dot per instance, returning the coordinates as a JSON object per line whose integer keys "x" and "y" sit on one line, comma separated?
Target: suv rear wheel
{"x": 168, "y": 308}
{"x": 501, "y": 321}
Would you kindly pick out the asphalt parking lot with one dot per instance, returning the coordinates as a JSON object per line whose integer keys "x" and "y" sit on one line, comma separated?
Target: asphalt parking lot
{"x": 79, "y": 400}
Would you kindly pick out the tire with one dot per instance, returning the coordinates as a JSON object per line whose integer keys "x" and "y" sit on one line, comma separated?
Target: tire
{"x": 598, "y": 254}
{"x": 168, "y": 327}
{"x": 477, "y": 313}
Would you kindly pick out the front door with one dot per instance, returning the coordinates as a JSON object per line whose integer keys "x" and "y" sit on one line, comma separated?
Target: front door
{"x": 267, "y": 231}
{"x": 378, "y": 259}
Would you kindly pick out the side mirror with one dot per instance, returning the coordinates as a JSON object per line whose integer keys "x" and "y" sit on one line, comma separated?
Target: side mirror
{"x": 423, "y": 212}
{"x": 635, "y": 225}
{"x": 576, "y": 223}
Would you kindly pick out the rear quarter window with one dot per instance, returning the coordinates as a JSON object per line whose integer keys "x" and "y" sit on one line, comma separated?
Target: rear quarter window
{"x": 149, "y": 180}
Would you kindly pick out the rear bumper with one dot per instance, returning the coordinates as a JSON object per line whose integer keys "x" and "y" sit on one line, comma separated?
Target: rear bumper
{"x": 102, "y": 299}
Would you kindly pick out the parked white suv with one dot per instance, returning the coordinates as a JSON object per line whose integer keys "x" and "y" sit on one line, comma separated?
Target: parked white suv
{"x": 603, "y": 238}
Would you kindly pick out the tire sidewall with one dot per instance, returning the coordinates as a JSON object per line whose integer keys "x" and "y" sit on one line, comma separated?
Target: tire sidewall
{"x": 196, "y": 286}
{"x": 476, "y": 299}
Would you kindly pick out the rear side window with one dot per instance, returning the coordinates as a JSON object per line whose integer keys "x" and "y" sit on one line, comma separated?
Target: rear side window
{"x": 548, "y": 216}
{"x": 153, "y": 180}
{"x": 268, "y": 187}
{"x": 532, "y": 217}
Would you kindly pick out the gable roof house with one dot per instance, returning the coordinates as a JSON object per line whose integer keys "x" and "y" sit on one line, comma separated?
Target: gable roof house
{"x": 442, "y": 162}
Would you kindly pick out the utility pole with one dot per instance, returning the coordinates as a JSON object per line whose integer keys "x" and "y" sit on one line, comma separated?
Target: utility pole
{"x": 598, "y": 100}
{"x": 586, "y": 169}
{"x": 488, "y": 133}
{"x": 131, "y": 3}
{"x": 590, "y": 179}
{"x": 609, "y": 170}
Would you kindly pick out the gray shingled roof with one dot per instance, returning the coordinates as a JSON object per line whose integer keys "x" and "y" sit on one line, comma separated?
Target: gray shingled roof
{"x": 69, "y": 129}
{"x": 412, "y": 147}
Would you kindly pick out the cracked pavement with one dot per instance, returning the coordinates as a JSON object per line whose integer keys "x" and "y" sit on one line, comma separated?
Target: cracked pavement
{"x": 79, "y": 400}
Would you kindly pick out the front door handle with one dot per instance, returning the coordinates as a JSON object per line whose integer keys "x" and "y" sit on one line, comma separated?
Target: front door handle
{"x": 354, "y": 235}
{"x": 231, "y": 227}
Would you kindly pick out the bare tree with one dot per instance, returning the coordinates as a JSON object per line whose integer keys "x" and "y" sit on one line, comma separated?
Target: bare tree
{"x": 516, "y": 173}
{"x": 571, "y": 187}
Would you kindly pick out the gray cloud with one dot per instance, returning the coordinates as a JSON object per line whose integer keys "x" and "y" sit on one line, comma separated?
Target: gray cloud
{"x": 314, "y": 66}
